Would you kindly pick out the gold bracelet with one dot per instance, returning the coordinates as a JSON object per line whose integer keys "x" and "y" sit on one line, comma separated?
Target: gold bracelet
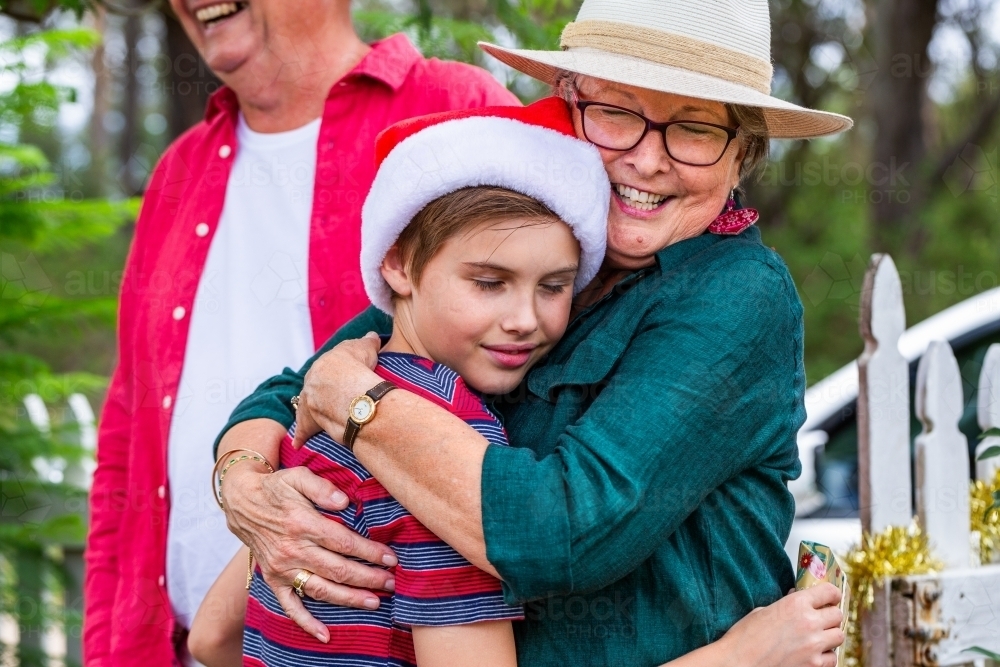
{"x": 254, "y": 456}
{"x": 249, "y": 568}
{"x": 222, "y": 457}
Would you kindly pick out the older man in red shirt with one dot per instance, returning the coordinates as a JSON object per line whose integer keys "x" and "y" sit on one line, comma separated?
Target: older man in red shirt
{"x": 245, "y": 258}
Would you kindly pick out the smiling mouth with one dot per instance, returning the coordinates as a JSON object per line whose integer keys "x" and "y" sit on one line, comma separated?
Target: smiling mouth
{"x": 510, "y": 356}
{"x": 639, "y": 199}
{"x": 221, "y": 11}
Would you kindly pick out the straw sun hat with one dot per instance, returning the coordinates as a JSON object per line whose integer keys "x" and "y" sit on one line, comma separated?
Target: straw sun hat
{"x": 710, "y": 49}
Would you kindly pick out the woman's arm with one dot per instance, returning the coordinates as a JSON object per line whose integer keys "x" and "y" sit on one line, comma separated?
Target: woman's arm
{"x": 303, "y": 538}
{"x": 621, "y": 479}
{"x": 216, "y": 638}
{"x": 432, "y": 459}
{"x": 488, "y": 644}
{"x": 800, "y": 630}
{"x": 275, "y": 515}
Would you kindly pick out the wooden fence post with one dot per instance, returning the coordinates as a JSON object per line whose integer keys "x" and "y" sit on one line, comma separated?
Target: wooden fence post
{"x": 989, "y": 411}
{"x": 942, "y": 455}
{"x": 884, "y": 482}
{"x": 883, "y": 402}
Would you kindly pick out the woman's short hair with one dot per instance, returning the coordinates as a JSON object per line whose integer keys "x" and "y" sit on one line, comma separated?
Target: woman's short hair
{"x": 753, "y": 134}
{"x": 450, "y": 215}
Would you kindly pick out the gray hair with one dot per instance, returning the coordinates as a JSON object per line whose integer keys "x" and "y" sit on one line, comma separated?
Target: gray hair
{"x": 753, "y": 134}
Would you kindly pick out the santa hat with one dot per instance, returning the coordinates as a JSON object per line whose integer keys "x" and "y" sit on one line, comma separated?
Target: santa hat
{"x": 532, "y": 150}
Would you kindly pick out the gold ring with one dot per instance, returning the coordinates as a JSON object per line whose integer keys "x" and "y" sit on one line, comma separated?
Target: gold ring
{"x": 299, "y": 583}
{"x": 294, "y": 400}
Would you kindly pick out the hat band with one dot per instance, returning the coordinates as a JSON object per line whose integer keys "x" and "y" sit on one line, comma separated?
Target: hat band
{"x": 671, "y": 50}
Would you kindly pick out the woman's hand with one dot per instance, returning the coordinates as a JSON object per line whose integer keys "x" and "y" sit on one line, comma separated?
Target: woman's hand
{"x": 800, "y": 630}
{"x": 333, "y": 381}
{"x": 275, "y": 515}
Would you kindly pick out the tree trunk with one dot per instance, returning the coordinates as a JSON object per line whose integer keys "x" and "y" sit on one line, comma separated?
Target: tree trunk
{"x": 29, "y": 564}
{"x": 102, "y": 87}
{"x": 898, "y": 100}
{"x": 129, "y": 139}
{"x": 189, "y": 82}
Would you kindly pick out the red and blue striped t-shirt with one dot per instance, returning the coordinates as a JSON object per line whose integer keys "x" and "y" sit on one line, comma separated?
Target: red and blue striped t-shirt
{"x": 434, "y": 584}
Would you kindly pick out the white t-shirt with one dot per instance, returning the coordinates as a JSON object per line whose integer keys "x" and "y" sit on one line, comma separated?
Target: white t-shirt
{"x": 250, "y": 319}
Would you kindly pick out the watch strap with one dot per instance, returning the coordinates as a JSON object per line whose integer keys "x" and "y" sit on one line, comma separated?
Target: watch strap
{"x": 351, "y": 433}
{"x": 378, "y": 391}
{"x": 353, "y": 428}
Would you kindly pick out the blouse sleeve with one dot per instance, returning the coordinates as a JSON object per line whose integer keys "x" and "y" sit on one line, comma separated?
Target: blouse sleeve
{"x": 704, "y": 390}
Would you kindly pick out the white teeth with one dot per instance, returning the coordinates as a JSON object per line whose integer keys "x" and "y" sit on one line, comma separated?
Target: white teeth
{"x": 215, "y": 11}
{"x": 644, "y": 201}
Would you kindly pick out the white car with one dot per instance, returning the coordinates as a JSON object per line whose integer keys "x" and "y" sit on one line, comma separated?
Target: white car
{"x": 826, "y": 495}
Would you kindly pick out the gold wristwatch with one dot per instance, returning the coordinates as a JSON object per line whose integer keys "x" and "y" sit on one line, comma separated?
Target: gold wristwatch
{"x": 362, "y": 411}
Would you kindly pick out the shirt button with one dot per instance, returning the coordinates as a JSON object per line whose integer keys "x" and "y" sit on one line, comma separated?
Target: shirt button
{"x": 201, "y": 229}
{"x": 225, "y": 151}
{"x": 162, "y": 580}
{"x": 179, "y": 313}
{"x": 167, "y": 401}
{"x": 161, "y": 492}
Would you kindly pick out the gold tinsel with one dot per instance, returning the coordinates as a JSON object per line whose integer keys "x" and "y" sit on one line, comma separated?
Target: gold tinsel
{"x": 899, "y": 552}
{"x": 988, "y": 526}
{"x": 895, "y": 552}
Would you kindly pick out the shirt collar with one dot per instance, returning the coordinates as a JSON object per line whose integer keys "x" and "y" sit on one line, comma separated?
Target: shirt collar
{"x": 677, "y": 253}
{"x": 389, "y": 61}
{"x": 222, "y": 101}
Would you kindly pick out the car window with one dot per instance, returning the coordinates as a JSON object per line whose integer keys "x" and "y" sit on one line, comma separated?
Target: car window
{"x": 837, "y": 466}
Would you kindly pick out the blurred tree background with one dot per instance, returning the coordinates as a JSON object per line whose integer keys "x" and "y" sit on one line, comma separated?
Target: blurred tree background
{"x": 115, "y": 82}
{"x": 917, "y": 177}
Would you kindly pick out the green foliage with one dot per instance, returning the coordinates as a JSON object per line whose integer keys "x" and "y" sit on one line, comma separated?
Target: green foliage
{"x": 40, "y": 511}
{"x": 440, "y": 33}
{"x": 437, "y": 37}
{"x": 986, "y": 652}
{"x": 36, "y": 10}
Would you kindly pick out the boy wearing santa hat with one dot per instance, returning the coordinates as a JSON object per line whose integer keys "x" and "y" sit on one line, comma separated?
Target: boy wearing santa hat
{"x": 479, "y": 229}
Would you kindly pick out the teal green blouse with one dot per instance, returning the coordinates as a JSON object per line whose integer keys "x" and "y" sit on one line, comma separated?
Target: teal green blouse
{"x": 644, "y": 506}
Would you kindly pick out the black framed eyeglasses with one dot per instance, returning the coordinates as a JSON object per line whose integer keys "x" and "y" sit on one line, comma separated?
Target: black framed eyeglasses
{"x": 689, "y": 142}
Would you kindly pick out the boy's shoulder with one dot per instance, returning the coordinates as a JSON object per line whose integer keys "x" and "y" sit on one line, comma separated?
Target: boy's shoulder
{"x": 443, "y": 386}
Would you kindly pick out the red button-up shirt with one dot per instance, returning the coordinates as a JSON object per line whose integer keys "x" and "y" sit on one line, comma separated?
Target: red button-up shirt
{"x": 128, "y": 618}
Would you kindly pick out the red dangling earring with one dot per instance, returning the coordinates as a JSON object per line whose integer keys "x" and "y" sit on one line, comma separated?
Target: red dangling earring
{"x": 734, "y": 220}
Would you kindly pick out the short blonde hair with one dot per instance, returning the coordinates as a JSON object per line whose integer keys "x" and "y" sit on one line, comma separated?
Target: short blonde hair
{"x": 450, "y": 215}
{"x": 753, "y": 134}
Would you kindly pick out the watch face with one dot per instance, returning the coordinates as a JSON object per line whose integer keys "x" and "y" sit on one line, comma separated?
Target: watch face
{"x": 362, "y": 409}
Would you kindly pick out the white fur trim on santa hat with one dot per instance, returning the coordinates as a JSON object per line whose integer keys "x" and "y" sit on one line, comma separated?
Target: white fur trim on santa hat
{"x": 564, "y": 173}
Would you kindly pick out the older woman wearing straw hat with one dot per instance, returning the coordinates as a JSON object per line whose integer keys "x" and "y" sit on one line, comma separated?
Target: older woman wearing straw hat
{"x": 644, "y": 510}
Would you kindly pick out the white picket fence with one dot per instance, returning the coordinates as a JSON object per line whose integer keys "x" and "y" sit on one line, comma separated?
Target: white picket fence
{"x": 928, "y": 620}
{"x": 925, "y": 620}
